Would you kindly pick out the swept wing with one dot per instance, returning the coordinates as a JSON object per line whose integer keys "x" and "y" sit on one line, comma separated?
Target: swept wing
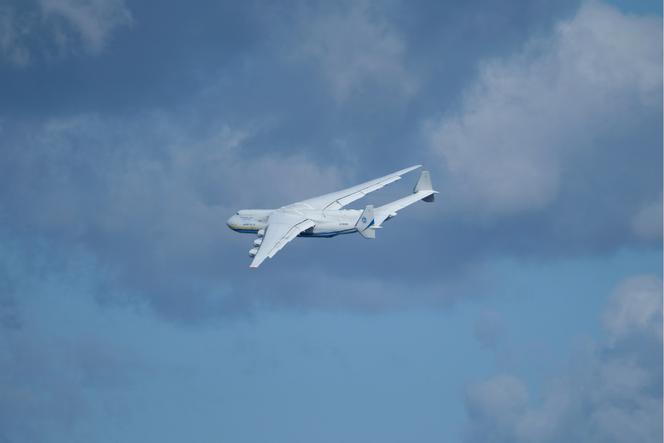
{"x": 339, "y": 199}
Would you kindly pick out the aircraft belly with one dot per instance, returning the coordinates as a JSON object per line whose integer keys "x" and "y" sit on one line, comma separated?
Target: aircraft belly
{"x": 328, "y": 229}
{"x": 322, "y": 228}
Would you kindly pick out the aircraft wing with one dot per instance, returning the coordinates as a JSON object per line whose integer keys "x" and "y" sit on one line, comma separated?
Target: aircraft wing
{"x": 382, "y": 213}
{"x": 339, "y": 199}
{"x": 282, "y": 227}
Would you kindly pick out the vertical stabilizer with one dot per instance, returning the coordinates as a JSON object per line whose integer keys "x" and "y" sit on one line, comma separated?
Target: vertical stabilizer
{"x": 365, "y": 222}
{"x": 424, "y": 184}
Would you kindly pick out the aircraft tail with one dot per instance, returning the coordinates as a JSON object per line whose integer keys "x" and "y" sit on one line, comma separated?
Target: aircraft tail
{"x": 365, "y": 224}
{"x": 422, "y": 191}
{"x": 424, "y": 184}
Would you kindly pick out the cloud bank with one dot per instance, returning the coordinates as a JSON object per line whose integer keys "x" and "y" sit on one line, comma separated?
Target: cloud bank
{"x": 146, "y": 188}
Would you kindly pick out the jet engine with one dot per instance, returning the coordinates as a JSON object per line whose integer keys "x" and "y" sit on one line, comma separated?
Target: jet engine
{"x": 258, "y": 242}
{"x": 260, "y": 233}
{"x": 253, "y": 252}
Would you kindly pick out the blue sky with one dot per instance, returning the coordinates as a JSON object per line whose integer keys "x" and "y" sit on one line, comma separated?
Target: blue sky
{"x": 525, "y": 305}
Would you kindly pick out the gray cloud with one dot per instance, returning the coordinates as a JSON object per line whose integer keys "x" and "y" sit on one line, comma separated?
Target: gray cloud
{"x": 355, "y": 48}
{"x": 11, "y": 34}
{"x": 647, "y": 222}
{"x": 55, "y": 29}
{"x": 92, "y": 20}
{"x": 614, "y": 394}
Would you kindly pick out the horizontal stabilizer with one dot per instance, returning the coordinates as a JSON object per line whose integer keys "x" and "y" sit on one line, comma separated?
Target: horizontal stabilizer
{"x": 423, "y": 191}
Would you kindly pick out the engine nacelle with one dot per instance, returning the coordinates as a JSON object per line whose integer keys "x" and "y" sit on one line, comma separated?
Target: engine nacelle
{"x": 260, "y": 233}
{"x": 253, "y": 252}
{"x": 258, "y": 242}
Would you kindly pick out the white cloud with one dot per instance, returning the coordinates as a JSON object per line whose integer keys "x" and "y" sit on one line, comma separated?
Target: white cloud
{"x": 355, "y": 49}
{"x": 613, "y": 395}
{"x": 527, "y": 117}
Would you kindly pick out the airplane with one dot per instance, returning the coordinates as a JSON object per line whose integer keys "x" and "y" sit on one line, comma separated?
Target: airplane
{"x": 323, "y": 216}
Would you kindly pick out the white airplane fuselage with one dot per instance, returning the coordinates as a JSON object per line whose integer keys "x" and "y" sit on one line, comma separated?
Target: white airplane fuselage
{"x": 329, "y": 223}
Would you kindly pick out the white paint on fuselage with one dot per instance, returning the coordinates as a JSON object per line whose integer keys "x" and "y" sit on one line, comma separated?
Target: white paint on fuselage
{"x": 328, "y": 223}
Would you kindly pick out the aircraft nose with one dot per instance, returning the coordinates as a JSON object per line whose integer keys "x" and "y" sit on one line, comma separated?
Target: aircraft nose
{"x": 231, "y": 221}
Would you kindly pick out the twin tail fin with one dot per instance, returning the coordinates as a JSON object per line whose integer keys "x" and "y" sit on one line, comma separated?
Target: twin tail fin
{"x": 365, "y": 224}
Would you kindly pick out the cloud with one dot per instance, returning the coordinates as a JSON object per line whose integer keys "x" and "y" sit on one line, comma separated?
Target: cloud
{"x": 149, "y": 199}
{"x": 93, "y": 20}
{"x": 11, "y": 34}
{"x": 52, "y": 29}
{"x": 355, "y": 49}
{"x": 147, "y": 195}
{"x": 501, "y": 400}
{"x": 647, "y": 222}
{"x": 635, "y": 307}
{"x": 530, "y": 120}
{"x": 147, "y": 191}
{"x": 614, "y": 394}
